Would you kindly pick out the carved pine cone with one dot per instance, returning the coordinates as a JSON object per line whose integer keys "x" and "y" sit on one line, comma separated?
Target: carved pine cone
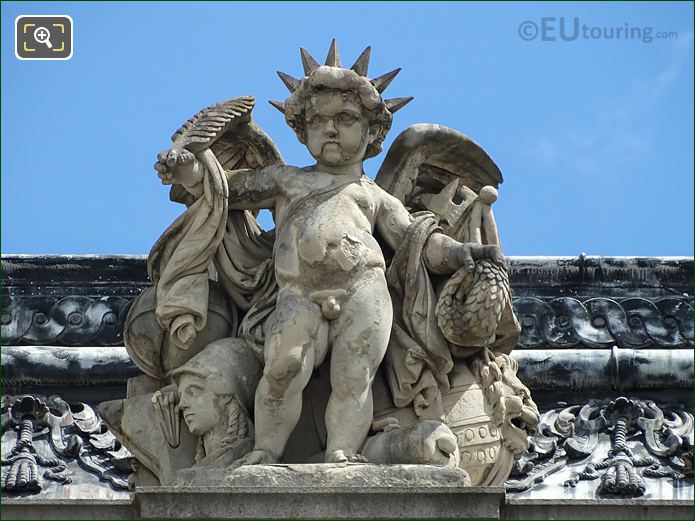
{"x": 471, "y": 304}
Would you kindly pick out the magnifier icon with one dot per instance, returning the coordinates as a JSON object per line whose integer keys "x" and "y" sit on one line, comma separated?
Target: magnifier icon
{"x": 43, "y": 35}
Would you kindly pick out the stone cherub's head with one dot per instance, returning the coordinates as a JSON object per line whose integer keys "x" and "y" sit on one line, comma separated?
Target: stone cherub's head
{"x": 216, "y": 389}
{"x": 339, "y": 113}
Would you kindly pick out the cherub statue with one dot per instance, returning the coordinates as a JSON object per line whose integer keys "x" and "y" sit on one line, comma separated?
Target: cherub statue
{"x": 333, "y": 296}
{"x": 355, "y": 278}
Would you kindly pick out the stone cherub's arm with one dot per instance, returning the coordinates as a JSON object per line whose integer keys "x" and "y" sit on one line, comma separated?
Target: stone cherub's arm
{"x": 442, "y": 253}
{"x": 253, "y": 189}
{"x": 248, "y": 189}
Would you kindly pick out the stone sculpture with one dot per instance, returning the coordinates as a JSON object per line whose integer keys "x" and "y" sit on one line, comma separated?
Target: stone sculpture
{"x": 620, "y": 444}
{"x": 45, "y": 440}
{"x": 215, "y": 391}
{"x": 380, "y": 311}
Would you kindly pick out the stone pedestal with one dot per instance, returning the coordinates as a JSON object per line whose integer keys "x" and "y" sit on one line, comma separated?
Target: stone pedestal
{"x": 429, "y": 502}
{"x": 320, "y": 491}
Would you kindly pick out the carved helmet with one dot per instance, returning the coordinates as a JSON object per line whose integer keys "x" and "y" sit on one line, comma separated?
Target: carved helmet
{"x": 228, "y": 366}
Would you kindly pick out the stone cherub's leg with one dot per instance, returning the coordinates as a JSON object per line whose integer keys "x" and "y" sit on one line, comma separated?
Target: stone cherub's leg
{"x": 297, "y": 339}
{"x": 360, "y": 337}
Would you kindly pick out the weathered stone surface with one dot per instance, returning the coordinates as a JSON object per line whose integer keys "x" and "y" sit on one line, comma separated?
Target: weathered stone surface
{"x": 387, "y": 301}
{"x": 413, "y": 503}
{"x": 597, "y": 509}
{"x": 601, "y": 322}
{"x": 424, "y": 442}
{"x": 34, "y": 284}
{"x": 354, "y": 274}
{"x": 59, "y": 450}
{"x": 152, "y": 350}
{"x": 206, "y": 503}
{"x": 609, "y": 448}
{"x": 605, "y": 369}
{"x": 347, "y": 475}
{"x": 68, "y": 509}
{"x": 366, "y": 503}
{"x": 66, "y": 366}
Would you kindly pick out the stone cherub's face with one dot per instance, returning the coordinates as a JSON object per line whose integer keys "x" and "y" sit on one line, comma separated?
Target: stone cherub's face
{"x": 337, "y": 128}
{"x": 198, "y": 405}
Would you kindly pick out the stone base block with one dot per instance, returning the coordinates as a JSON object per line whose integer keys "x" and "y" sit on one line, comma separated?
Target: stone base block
{"x": 33, "y": 508}
{"x": 597, "y": 509}
{"x": 304, "y": 503}
{"x": 348, "y": 491}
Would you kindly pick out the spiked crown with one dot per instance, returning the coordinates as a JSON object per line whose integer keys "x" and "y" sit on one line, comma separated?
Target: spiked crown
{"x": 333, "y": 76}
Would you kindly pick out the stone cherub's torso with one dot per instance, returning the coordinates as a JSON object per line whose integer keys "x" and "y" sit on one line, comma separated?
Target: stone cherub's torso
{"x": 325, "y": 242}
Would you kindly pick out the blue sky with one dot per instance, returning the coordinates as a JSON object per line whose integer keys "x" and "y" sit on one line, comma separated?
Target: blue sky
{"x": 594, "y": 136}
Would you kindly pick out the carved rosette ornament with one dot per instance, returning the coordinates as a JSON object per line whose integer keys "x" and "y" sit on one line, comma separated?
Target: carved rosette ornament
{"x": 563, "y": 322}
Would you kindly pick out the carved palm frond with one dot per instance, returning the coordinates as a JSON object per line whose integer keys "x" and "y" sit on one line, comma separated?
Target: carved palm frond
{"x": 208, "y": 124}
{"x": 226, "y": 129}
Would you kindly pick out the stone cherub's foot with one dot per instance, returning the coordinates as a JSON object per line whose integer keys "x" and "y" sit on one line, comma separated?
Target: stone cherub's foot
{"x": 345, "y": 456}
{"x": 255, "y": 457}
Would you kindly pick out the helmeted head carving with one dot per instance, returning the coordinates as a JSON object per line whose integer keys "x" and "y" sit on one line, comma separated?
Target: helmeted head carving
{"x": 354, "y": 85}
{"x": 219, "y": 381}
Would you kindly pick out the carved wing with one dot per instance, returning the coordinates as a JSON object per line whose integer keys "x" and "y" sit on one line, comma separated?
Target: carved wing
{"x": 227, "y": 129}
{"x": 435, "y": 168}
{"x": 431, "y": 167}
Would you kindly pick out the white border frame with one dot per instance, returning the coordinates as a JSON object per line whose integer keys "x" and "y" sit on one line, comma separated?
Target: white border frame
{"x": 72, "y": 36}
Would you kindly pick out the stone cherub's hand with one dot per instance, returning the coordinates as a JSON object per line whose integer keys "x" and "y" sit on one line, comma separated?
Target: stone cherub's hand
{"x": 468, "y": 253}
{"x": 178, "y": 167}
